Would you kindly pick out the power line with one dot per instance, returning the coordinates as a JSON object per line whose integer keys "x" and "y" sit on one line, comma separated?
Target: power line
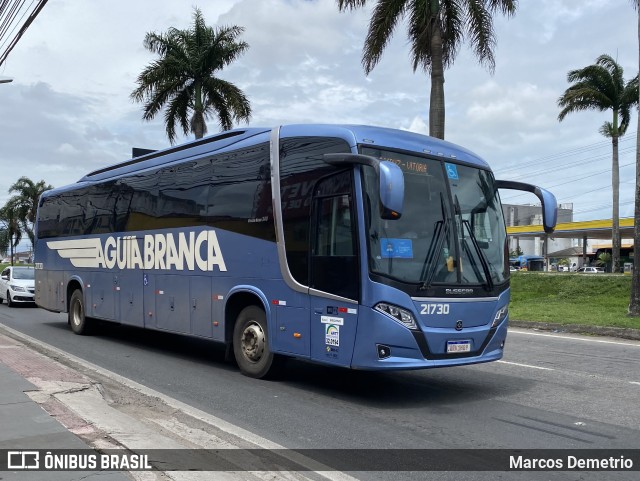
{"x": 9, "y": 20}
{"x": 573, "y": 163}
{"x": 602, "y": 207}
{"x": 8, "y": 17}
{"x": 574, "y": 180}
{"x": 567, "y": 153}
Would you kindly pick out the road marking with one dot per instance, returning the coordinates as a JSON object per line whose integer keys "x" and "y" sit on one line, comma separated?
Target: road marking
{"x": 527, "y": 365}
{"x": 634, "y": 382}
{"x": 559, "y": 336}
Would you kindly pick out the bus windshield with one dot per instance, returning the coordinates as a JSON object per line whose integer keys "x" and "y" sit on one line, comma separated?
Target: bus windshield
{"x": 451, "y": 232}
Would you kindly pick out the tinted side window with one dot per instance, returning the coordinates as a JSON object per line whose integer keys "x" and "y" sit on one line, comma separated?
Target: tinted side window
{"x": 301, "y": 166}
{"x": 88, "y": 210}
{"x": 231, "y": 191}
{"x": 99, "y": 208}
{"x": 72, "y": 216}
{"x": 48, "y": 217}
{"x": 136, "y": 200}
{"x": 183, "y": 193}
{"x": 240, "y": 195}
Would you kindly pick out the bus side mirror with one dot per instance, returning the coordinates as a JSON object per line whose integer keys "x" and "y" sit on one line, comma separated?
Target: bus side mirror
{"x": 389, "y": 174}
{"x": 547, "y": 199}
{"x": 391, "y": 190}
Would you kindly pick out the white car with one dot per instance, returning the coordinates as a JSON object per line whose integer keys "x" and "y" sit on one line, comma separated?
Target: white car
{"x": 591, "y": 270}
{"x": 17, "y": 285}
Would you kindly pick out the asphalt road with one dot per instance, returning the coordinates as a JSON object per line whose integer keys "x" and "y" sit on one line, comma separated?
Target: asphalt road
{"x": 550, "y": 391}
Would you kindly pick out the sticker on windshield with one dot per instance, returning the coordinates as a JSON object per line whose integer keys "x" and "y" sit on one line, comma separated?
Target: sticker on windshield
{"x": 452, "y": 171}
{"x": 396, "y": 248}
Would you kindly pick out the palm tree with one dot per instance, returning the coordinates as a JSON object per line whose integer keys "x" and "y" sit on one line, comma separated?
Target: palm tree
{"x": 10, "y": 232}
{"x": 602, "y": 87}
{"x": 436, "y": 29}
{"x": 25, "y": 202}
{"x": 604, "y": 260}
{"x": 184, "y": 78}
{"x": 634, "y": 305}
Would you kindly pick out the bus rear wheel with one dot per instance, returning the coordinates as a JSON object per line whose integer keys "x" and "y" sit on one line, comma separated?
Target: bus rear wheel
{"x": 251, "y": 343}
{"x": 77, "y": 319}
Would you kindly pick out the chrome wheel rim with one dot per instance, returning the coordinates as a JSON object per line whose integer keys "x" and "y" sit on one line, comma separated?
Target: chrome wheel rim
{"x": 253, "y": 342}
{"x": 76, "y": 318}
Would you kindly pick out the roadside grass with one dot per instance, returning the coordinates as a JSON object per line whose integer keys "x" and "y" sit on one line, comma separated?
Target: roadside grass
{"x": 6, "y": 264}
{"x": 563, "y": 298}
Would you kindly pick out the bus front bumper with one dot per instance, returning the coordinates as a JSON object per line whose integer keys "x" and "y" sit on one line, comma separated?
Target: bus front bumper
{"x": 384, "y": 344}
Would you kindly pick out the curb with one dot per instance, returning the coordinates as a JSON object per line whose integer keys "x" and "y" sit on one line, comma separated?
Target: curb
{"x": 162, "y": 423}
{"x": 620, "y": 332}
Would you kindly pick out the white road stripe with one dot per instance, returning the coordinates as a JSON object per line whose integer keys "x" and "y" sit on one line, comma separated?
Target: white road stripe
{"x": 634, "y": 382}
{"x": 559, "y": 336}
{"x": 527, "y": 365}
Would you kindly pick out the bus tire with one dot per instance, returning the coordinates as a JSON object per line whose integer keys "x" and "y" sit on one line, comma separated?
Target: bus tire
{"x": 77, "y": 319}
{"x": 251, "y": 343}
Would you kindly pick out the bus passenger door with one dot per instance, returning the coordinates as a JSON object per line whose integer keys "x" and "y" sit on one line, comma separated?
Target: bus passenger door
{"x": 334, "y": 271}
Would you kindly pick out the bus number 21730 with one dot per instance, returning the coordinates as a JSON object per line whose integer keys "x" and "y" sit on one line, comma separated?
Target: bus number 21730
{"x": 434, "y": 309}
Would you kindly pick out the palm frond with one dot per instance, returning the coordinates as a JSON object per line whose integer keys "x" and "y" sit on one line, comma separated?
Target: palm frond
{"x": 350, "y": 4}
{"x": 481, "y": 34}
{"x": 607, "y": 130}
{"x": 384, "y": 18}
{"x": 226, "y": 101}
{"x": 506, "y": 7}
{"x": 178, "y": 110}
{"x": 630, "y": 93}
{"x": 452, "y": 24}
{"x": 577, "y": 99}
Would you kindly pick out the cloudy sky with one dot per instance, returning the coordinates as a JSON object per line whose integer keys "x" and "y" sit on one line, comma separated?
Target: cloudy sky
{"x": 68, "y": 109}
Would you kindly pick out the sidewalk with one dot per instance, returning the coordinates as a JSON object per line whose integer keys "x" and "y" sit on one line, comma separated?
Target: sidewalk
{"x": 51, "y": 400}
{"x": 25, "y": 425}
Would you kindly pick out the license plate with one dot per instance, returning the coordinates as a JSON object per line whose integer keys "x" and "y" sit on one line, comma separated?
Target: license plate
{"x": 455, "y": 347}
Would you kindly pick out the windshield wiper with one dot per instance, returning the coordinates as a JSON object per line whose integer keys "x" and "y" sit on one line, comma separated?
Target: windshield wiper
{"x": 474, "y": 241}
{"x": 440, "y": 234}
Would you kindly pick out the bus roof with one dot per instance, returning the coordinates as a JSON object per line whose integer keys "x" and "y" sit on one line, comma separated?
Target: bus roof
{"x": 390, "y": 138}
{"x": 353, "y": 134}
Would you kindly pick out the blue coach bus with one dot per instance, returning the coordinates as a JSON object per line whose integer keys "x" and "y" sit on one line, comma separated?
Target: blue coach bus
{"x": 354, "y": 246}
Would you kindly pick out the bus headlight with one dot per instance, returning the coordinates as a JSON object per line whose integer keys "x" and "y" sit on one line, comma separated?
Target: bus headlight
{"x": 17, "y": 288}
{"x": 500, "y": 316}
{"x": 398, "y": 314}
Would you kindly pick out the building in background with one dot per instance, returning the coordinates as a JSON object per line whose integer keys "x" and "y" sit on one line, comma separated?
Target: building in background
{"x": 532, "y": 215}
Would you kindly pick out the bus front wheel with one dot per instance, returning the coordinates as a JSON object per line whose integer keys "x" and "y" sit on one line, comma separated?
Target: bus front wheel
{"x": 77, "y": 320}
{"x": 251, "y": 343}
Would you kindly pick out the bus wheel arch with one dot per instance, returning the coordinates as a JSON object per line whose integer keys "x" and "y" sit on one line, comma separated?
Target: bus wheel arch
{"x": 72, "y": 286}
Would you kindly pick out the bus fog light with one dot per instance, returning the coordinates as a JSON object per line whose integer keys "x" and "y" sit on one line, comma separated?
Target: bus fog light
{"x": 398, "y": 314}
{"x": 383, "y": 351}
